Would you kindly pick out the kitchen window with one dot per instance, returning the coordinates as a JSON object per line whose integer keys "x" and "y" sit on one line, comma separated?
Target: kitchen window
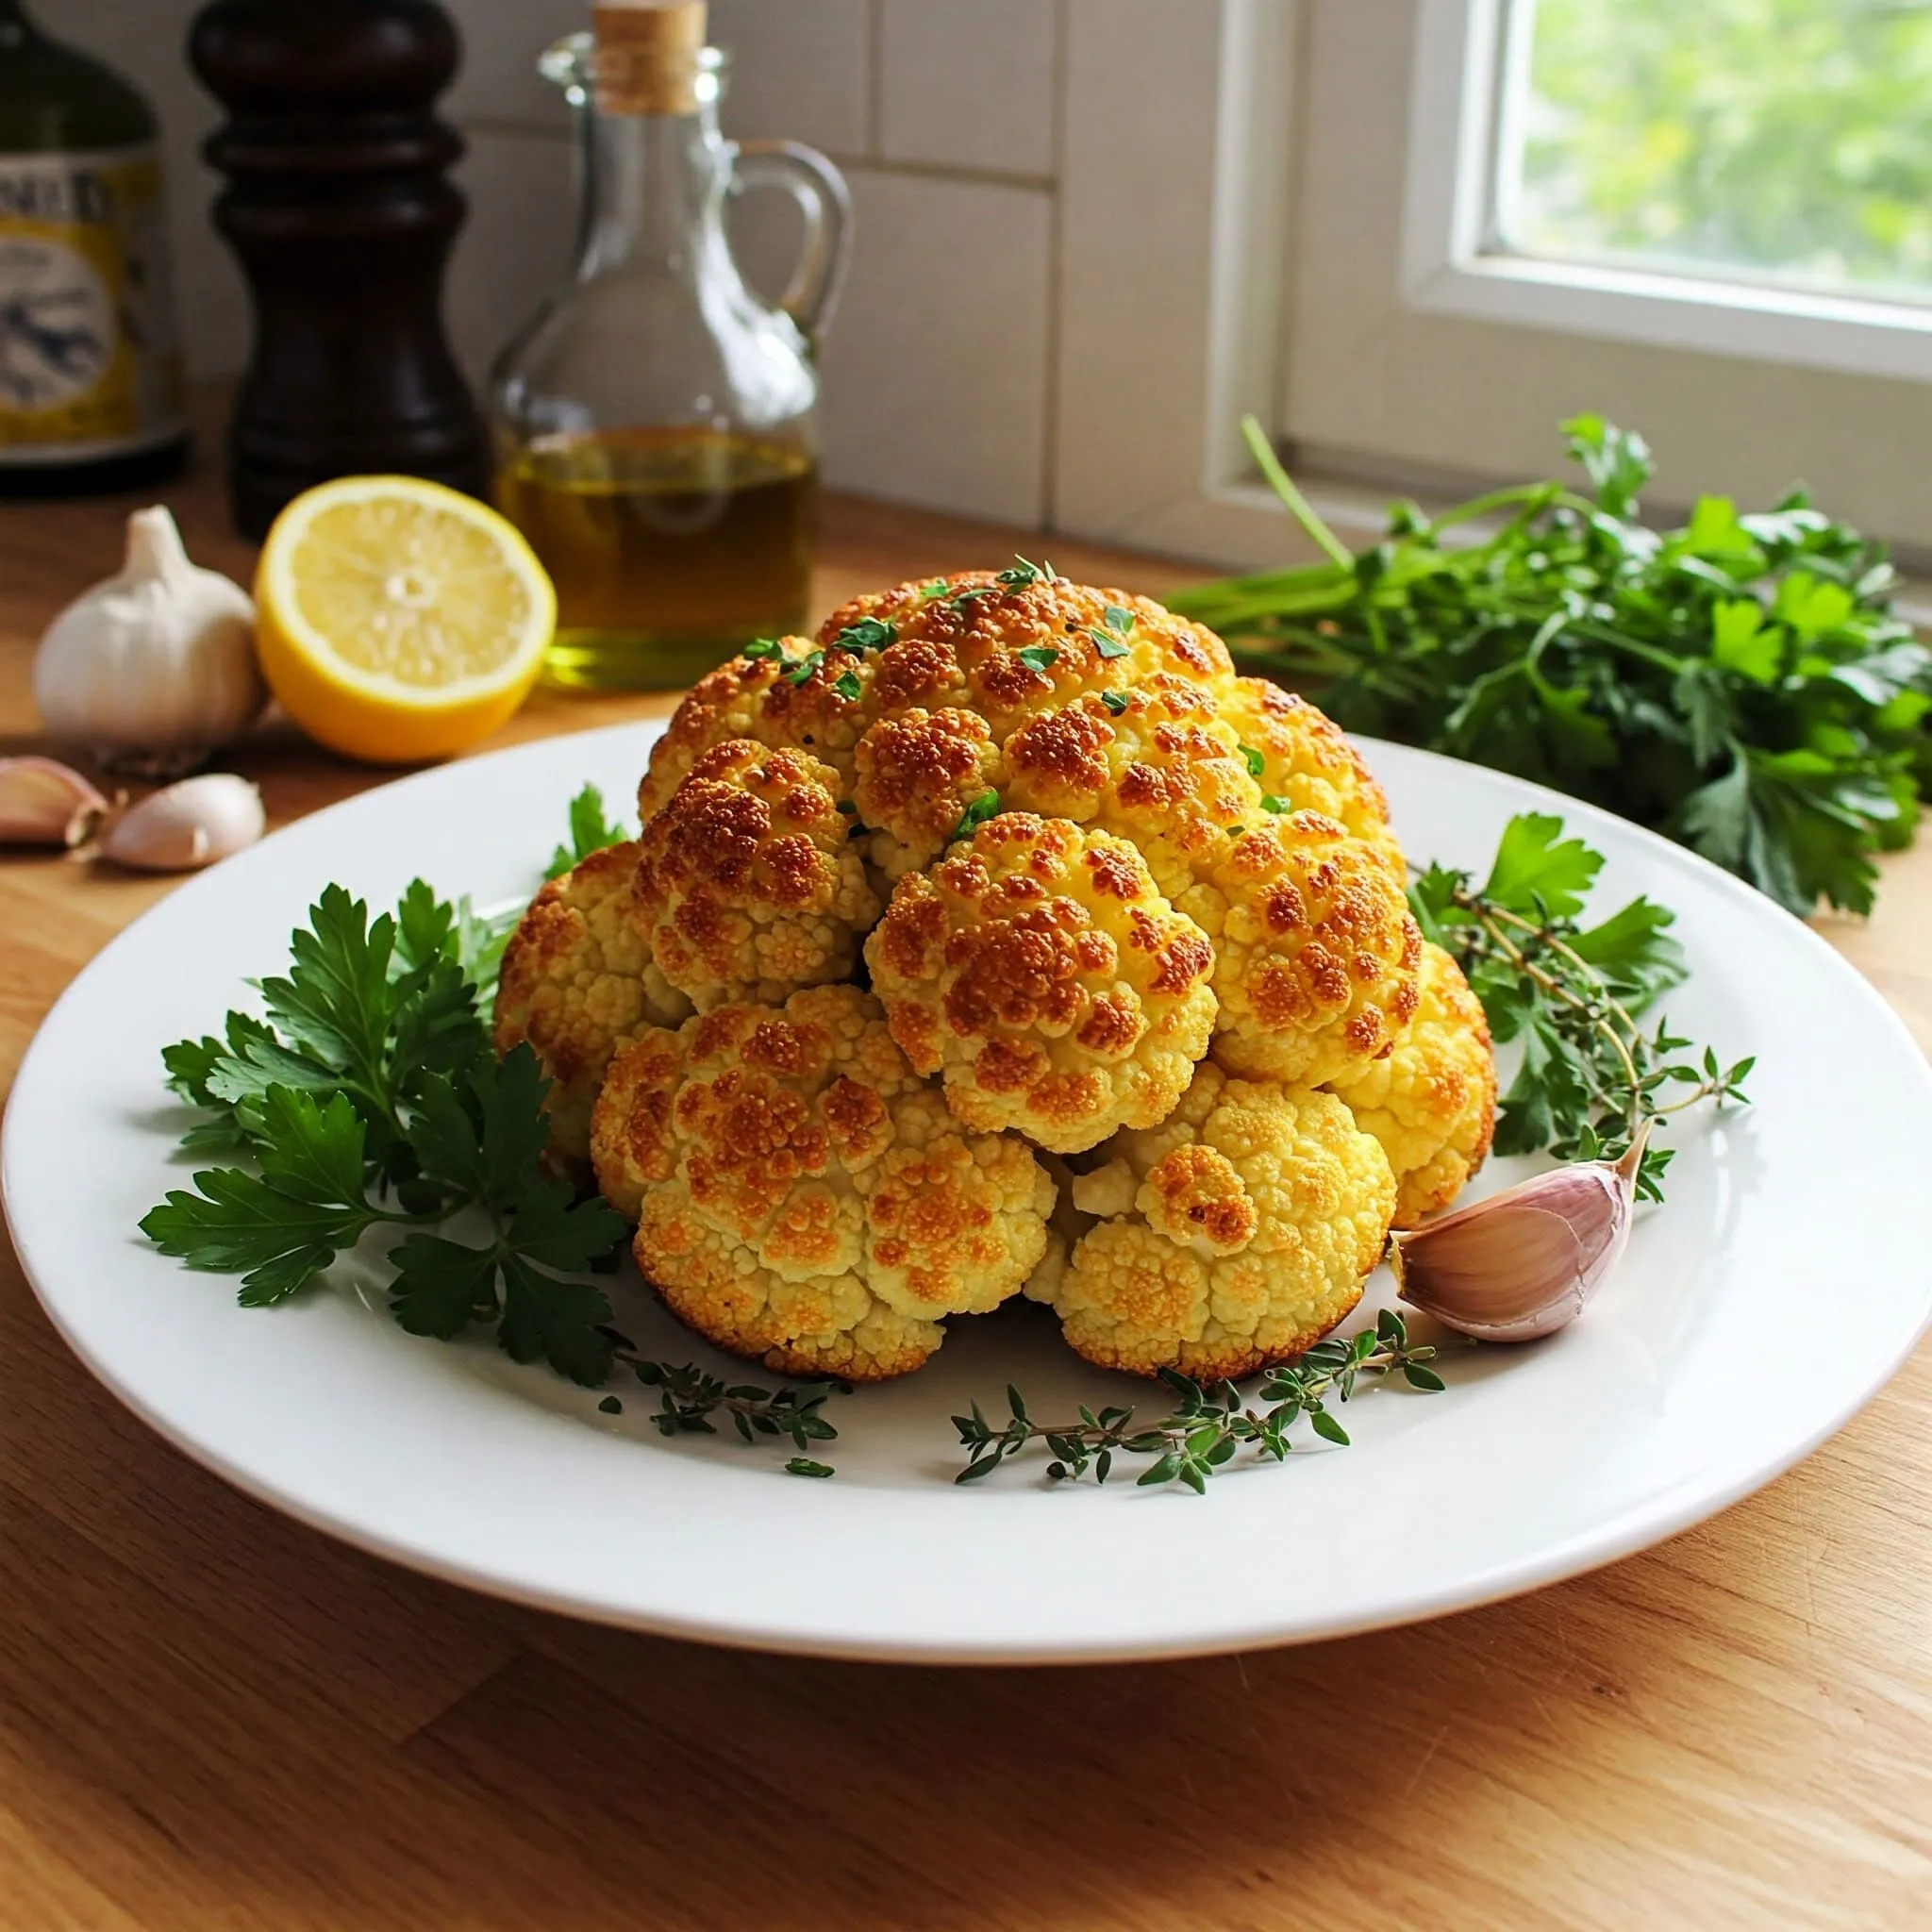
{"x": 1710, "y": 221}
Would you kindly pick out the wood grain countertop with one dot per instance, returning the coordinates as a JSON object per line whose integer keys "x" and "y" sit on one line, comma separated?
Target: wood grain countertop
{"x": 212, "y": 1717}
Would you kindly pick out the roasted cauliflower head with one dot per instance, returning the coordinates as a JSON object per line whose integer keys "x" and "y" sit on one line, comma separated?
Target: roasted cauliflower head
{"x": 1037, "y": 969}
{"x": 1228, "y": 1239}
{"x": 1156, "y": 765}
{"x": 1432, "y": 1101}
{"x": 915, "y": 776}
{"x": 747, "y": 884}
{"x": 577, "y": 983}
{"x": 798, "y": 696}
{"x": 1306, "y": 761}
{"x": 802, "y": 1198}
{"x": 1316, "y": 954}
{"x": 1012, "y": 643}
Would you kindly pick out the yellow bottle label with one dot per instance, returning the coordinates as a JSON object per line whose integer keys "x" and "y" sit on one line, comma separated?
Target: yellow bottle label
{"x": 89, "y": 365}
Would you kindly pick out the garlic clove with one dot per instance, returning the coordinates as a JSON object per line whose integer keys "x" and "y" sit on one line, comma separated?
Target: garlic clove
{"x": 153, "y": 667}
{"x": 191, "y": 824}
{"x": 43, "y": 802}
{"x": 1525, "y": 1262}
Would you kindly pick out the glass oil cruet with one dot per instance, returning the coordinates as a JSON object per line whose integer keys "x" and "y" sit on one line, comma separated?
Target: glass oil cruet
{"x": 655, "y": 422}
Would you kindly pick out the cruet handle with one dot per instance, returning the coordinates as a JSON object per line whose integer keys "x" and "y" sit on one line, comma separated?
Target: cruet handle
{"x": 825, "y": 200}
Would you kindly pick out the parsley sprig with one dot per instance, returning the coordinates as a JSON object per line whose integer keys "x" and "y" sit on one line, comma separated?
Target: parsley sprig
{"x": 590, "y": 831}
{"x": 1592, "y": 1072}
{"x": 1210, "y": 1423}
{"x": 1741, "y": 683}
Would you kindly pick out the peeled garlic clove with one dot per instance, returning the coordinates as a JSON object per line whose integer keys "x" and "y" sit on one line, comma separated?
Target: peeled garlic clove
{"x": 43, "y": 802}
{"x": 189, "y": 824}
{"x": 1525, "y": 1262}
{"x": 155, "y": 667}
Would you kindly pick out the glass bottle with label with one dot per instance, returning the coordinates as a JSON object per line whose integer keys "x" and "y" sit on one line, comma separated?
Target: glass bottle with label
{"x": 656, "y": 424}
{"x": 91, "y": 383}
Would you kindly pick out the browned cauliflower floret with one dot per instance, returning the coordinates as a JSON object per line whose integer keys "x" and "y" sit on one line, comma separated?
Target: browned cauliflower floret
{"x": 577, "y": 983}
{"x": 1227, "y": 1240}
{"x": 1009, "y": 645}
{"x": 747, "y": 883}
{"x": 916, "y": 774}
{"x": 1432, "y": 1103}
{"x": 1038, "y": 970}
{"x": 1156, "y": 766}
{"x": 1307, "y": 760}
{"x": 767, "y": 700}
{"x": 802, "y": 1198}
{"x": 1316, "y": 954}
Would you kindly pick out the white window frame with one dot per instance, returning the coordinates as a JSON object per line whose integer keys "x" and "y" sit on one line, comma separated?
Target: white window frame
{"x": 1451, "y": 265}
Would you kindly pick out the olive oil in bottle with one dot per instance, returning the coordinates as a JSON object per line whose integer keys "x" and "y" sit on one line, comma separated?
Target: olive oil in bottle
{"x": 655, "y": 421}
{"x": 671, "y": 549}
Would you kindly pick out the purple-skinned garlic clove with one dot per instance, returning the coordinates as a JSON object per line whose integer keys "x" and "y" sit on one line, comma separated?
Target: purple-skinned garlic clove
{"x": 43, "y": 802}
{"x": 1525, "y": 1262}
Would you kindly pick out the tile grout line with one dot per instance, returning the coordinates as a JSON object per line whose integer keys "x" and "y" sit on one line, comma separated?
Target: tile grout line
{"x": 507, "y": 128}
{"x": 876, "y": 78}
{"x": 1055, "y": 222}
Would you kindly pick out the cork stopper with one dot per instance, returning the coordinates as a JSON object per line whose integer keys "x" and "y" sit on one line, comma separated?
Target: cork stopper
{"x": 647, "y": 55}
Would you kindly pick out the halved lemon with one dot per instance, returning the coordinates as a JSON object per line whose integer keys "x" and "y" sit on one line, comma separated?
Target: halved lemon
{"x": 398, "y": 620}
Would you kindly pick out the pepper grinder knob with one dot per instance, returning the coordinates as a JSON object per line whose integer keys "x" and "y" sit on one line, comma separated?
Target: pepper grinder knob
{"x": 339, "y": 209}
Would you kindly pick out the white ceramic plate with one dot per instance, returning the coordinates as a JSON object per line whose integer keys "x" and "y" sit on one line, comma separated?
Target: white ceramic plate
{"x": 1779, "y": 1290}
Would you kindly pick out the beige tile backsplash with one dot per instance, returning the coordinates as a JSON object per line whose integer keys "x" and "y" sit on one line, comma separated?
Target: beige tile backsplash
{"x": 938, "y": 372}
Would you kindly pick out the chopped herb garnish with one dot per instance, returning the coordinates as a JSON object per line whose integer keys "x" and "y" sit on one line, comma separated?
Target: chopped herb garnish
{"x": 803, "y": 670}
{"x": 1108, "y": 646}
{"x": 1119, "y": 620}
{"x": 934, "y": 586}
{"x": 847, "y": 684}
{"x": 1115, "y": 701}
{"x": 610, "y": 1406}
{"x": 977, "y": 811}
{"x": 1254, "y": 760}
{"x": 1041, "y": 658}
{"x": 868, "y": 634}
{"x": 1270, "y": 803}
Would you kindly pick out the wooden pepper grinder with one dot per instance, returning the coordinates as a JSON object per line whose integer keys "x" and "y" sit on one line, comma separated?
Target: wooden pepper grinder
{"x": 341, "y": 210}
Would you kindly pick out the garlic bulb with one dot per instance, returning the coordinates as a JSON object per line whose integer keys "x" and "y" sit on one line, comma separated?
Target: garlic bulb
{"x": 43, "y": 802}
{"x": 1523, "y": 1263}
{"x": 155, "y": 667}
{"x": 194, "y": 823}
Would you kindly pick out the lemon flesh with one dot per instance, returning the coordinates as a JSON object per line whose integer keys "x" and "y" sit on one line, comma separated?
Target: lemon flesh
{"x": 399, "y": 620}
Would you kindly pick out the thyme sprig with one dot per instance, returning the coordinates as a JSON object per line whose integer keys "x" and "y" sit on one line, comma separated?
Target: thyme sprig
{"x": 1211, "y": 1423}
{"x": 688, "y": 1398}
{"x": 1594, "y": 1072}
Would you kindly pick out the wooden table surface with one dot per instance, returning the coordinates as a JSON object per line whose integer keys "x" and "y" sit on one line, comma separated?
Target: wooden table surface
{"x": 212, "y": 1717}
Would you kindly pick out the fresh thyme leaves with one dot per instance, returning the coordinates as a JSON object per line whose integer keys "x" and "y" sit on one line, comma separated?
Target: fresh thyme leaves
{"x": 590, "y": 831}
{"x": 1041, "y": 658}
{"x": 1210, "y": 1423}
{"x": 977, "y": 811}
{"x": 1254, "y": 760}
{"x": 688, "y": 1399}
{"x": 1741, "y": 684}
{"x": 1116, "y": 702}
{"x": 1591, "y": 1075}
{"x": 869, "y": 633}
{"x": 1018, "y": 575}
